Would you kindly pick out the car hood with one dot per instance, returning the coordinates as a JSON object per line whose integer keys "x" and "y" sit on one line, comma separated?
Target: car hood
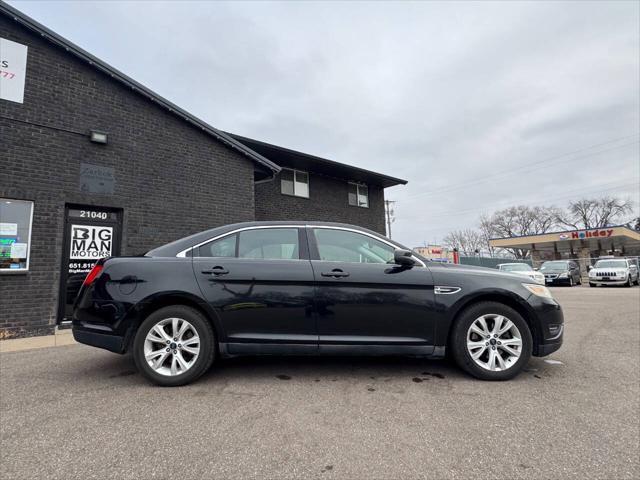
{"x": 473, "y": 270}
{"x": 526, "y": 274}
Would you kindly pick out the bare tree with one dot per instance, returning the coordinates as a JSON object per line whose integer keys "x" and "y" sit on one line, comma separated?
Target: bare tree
{"x": 594, "y": 212}
{"x": 467, "y": 241}
{"x": 519, "y": 221}
{"x": 487, "y": 233}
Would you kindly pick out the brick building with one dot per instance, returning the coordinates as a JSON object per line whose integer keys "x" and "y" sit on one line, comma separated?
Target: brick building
{"x": 93, "y": 164}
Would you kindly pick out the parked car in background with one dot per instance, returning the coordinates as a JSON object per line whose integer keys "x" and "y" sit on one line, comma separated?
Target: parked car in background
{"x": 614, "y": 271}
{"x": 296, "y": 288}
{"x": 561, "y": 272}
{"x": 522, "y": 269}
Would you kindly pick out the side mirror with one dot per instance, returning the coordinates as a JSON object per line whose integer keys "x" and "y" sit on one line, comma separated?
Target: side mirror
{"x": 536, "y": 269}
{"x": 589, "y": 267}
{"x": 403, "y": 257}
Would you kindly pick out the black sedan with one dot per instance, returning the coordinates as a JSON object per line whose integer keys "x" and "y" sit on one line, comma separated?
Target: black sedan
{"x": 299, "y": 288}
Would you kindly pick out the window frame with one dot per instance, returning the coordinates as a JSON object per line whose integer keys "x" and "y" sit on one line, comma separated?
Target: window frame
{"x": 315, "y": 253}
{"x": 239, "y": 244}
{"x": 13, "y": 271}
{"x": 295, "y": 180}
{"x": 303, "y": 245}
{"x": 358, "y": 187}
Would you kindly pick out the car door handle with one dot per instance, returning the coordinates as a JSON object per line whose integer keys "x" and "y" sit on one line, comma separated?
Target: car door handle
{"x": 217, "y": 270}
{"x": 336, "y": 273}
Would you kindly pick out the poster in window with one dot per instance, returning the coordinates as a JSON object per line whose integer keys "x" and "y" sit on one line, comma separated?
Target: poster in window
{"x": 13, "y": 70}
{"x": 90, "y": 242}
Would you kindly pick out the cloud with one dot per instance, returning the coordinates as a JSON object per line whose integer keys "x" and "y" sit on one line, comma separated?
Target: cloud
{"x": 438, "y": 93}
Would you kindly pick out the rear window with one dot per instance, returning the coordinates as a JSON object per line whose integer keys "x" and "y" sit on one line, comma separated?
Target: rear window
{"x": 222, "y": 247}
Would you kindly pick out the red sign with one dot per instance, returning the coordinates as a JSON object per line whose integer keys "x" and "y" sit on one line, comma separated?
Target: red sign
{"x": 599, "y": 233}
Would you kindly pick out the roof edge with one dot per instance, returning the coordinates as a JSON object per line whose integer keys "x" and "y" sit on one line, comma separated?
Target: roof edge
{"x": 116, "y": 74}
{"x": 397, "y": 181}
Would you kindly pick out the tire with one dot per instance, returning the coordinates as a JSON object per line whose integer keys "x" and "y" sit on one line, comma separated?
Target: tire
{"x": 198, "y": 331}
{"x": 592, "y": 284}
{"x": 462, "y": 331}
{"x": 629, "y": 282}
{"x": 570, "y": 281}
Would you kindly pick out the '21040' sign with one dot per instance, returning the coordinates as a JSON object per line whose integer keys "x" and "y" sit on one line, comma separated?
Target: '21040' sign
{"x": 90, "y": 242}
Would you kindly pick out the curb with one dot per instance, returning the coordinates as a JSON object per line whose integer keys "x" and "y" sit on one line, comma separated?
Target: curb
{"x": 60, "y": 339}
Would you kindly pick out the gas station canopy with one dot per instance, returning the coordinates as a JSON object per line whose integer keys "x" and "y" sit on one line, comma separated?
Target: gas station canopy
{"x": 620, "y": 239}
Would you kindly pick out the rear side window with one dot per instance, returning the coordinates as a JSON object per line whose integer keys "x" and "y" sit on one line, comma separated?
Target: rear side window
{"x": 222, "y": 247}
{"x": 269, "y": 243}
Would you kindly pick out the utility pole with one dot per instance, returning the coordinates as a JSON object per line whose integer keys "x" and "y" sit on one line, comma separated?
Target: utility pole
{"x": 388, "y": 210}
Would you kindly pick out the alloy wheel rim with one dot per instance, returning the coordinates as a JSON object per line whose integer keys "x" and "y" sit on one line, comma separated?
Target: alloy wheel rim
{"x": 171, "y": 346}
{"x": 494, "y": 342}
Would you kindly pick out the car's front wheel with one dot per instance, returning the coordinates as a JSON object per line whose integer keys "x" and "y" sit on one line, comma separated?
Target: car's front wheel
{"x": 491, "y": 341}
{"x": 629, "y": 282}
{"x": 174, "y": 346}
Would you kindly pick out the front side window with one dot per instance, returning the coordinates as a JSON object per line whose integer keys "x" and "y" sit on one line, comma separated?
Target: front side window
{"x": 269, "y": 243}
{"x": 358, "y": 195}
{"x": 353, "y": 247}
{"x": 15, "y": 234}
{"x": 294, "y": 182}
{"x": 222, "y": 247}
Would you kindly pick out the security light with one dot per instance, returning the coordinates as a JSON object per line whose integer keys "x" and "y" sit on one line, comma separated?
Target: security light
{"x": 98, "y": 137}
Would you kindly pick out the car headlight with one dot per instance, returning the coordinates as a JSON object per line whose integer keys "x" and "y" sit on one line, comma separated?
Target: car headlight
{"x": 592, "y": 273}
{"x": 563, "y": 275}
{"x": 539, "y": 290}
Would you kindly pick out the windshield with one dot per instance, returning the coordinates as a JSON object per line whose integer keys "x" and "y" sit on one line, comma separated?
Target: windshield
{"x": 554, "y": 266}
{"x": 516, "y": 267}
{"x": 611, "y": 264}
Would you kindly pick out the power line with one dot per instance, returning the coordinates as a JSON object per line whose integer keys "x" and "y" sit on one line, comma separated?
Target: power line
{"x": 571, "y": 193}
{"x": 531, "y": 165}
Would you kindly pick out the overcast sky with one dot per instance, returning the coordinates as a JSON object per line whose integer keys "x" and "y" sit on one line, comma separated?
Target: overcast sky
{"x": 479, "y": 105}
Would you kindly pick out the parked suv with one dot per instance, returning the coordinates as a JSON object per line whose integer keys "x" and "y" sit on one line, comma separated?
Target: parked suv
{"x": 614, "y": 271}
{"x": 561, "y": 272}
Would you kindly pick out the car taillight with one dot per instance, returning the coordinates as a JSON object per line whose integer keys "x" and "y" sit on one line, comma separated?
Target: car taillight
{"x": 92, "y": 275}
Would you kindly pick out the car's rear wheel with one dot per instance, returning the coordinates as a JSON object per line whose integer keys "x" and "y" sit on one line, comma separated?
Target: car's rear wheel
{"x": 491, "y": 341}
{"x": 174, "y": 346}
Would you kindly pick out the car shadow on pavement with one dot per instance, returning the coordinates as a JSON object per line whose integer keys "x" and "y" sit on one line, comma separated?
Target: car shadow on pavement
{"x": 342, "y": 368}
{"x": 313, "y": 369}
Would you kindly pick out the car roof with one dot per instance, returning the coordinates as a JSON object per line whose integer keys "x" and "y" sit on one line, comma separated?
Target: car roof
{"x": 173, "y": 248}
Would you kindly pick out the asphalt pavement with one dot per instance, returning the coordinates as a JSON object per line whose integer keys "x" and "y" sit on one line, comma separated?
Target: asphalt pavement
{"x": 79, "y": 412}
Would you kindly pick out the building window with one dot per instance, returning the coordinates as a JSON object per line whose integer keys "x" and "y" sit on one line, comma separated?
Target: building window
{"x": 358, "y": 195}
{"x": 15, "y": 235}
{"x": 294, "y": 182}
